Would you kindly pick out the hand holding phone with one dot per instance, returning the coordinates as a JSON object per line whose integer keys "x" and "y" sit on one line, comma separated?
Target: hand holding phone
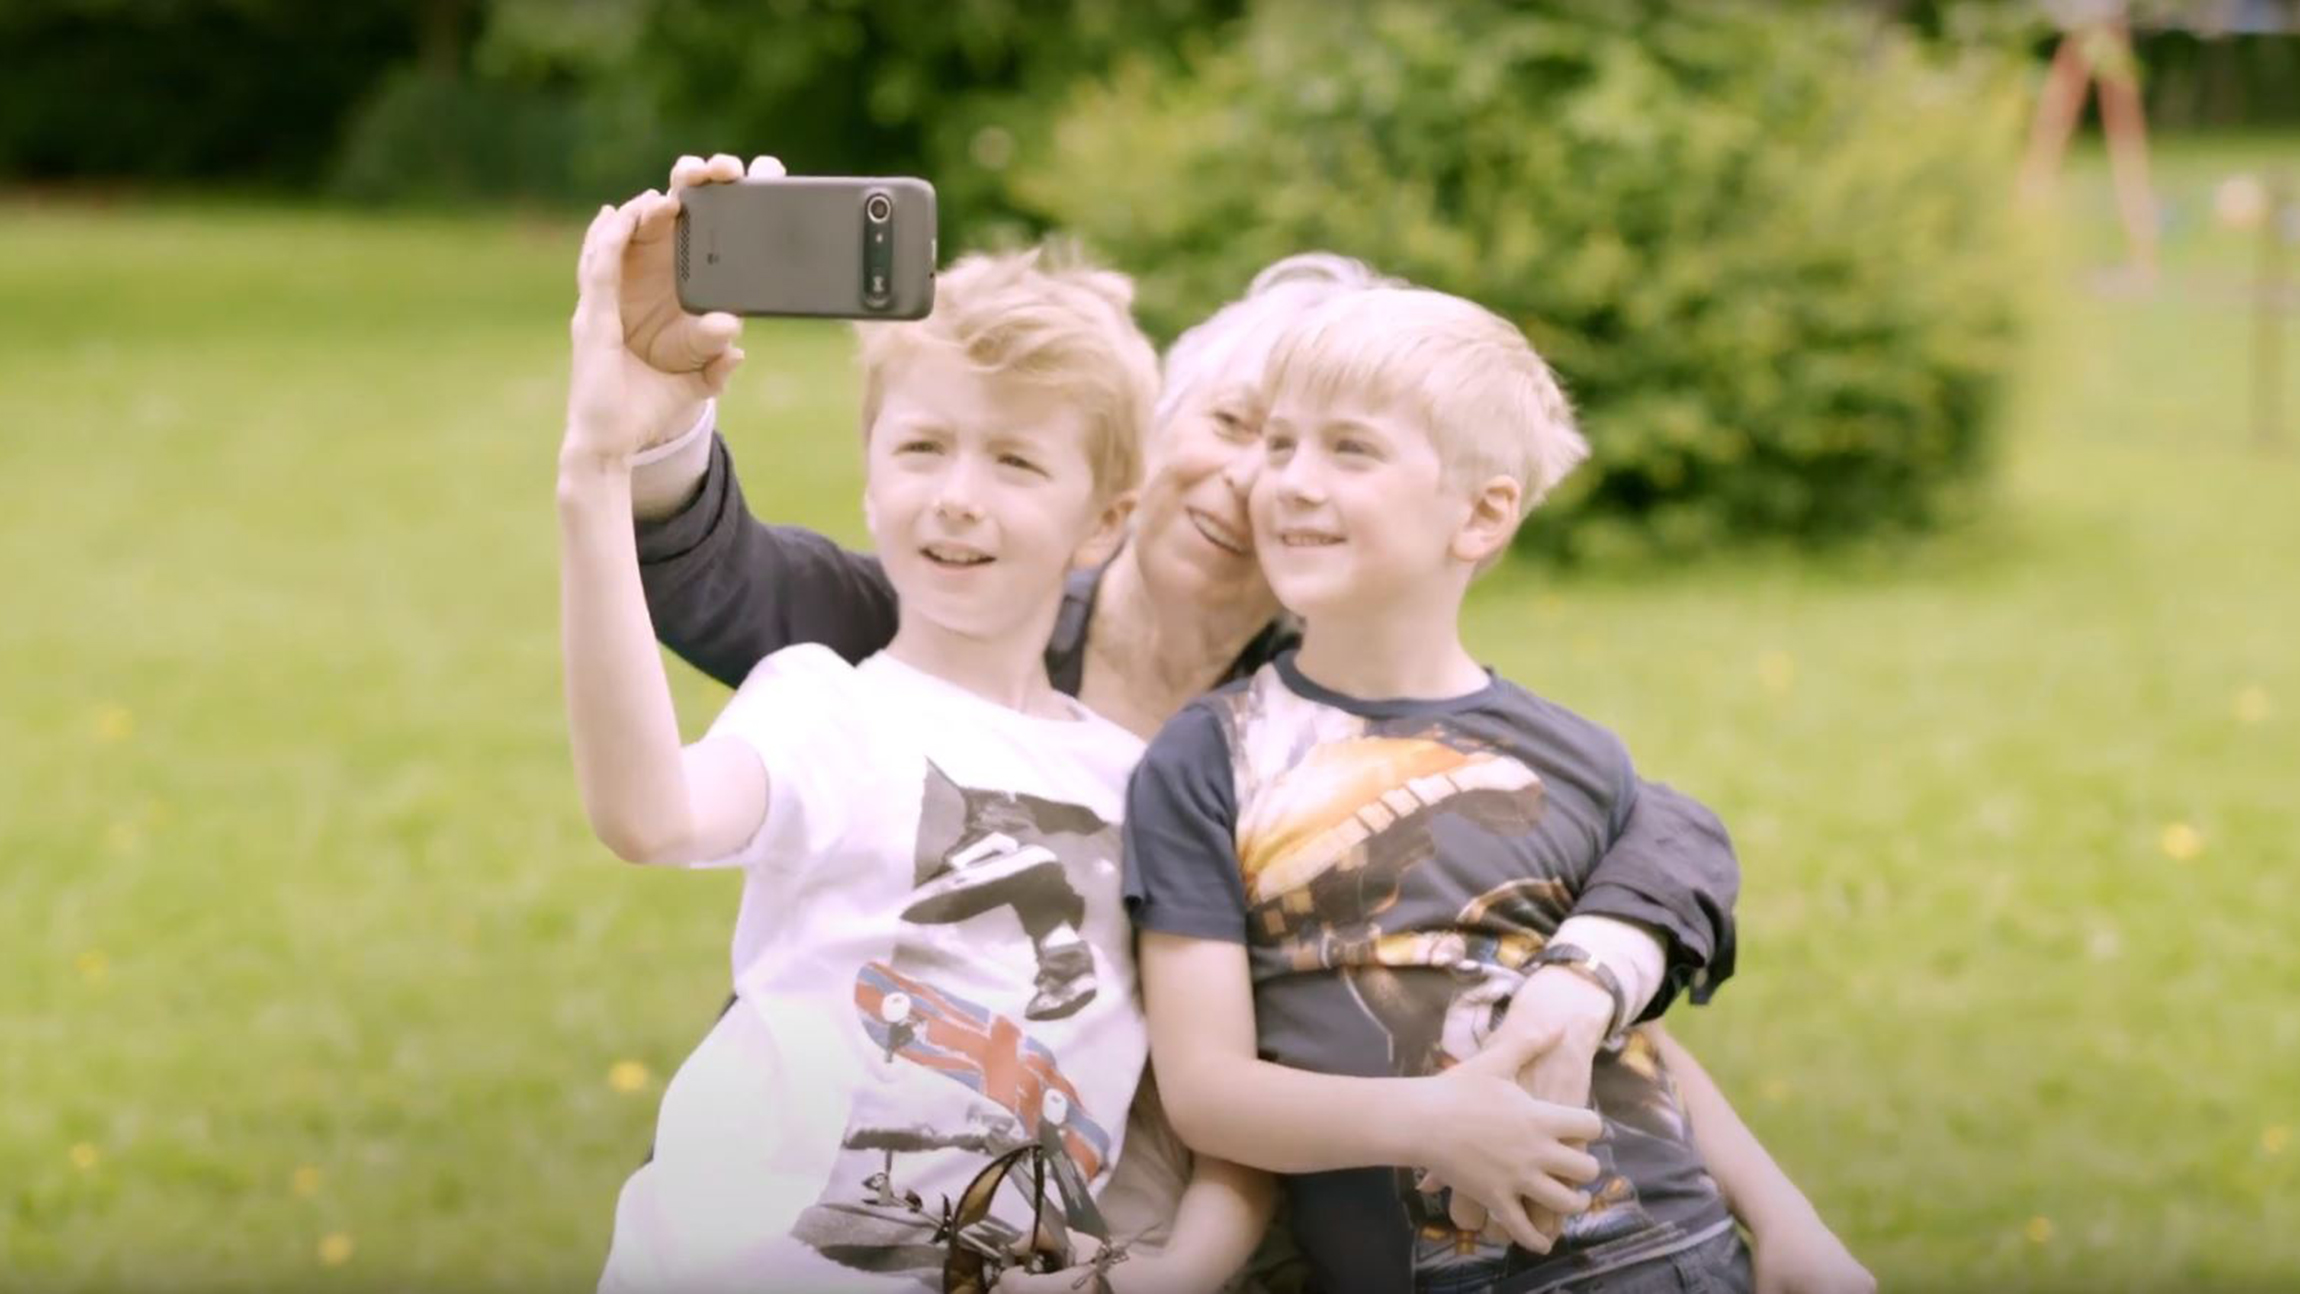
{"x": 808, "y": 246}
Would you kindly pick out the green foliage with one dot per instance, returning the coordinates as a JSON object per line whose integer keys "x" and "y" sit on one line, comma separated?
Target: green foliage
{"x": 441, "y": 137}
{"x": 187, "y": 89}
{"x": 958, "y": 93}
{"x": 1768, "y": 250}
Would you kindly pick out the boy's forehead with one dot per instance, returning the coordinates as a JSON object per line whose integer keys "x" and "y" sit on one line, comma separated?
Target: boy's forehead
{"x": 947, "y": 392}
{"x": 1311, "y": 404}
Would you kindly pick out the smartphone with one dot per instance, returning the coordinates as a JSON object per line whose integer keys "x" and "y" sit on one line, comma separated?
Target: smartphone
{"x": 812, "y": 246}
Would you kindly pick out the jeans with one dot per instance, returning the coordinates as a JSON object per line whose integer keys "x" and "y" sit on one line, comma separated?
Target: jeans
{"x": 1718, "y": 1265}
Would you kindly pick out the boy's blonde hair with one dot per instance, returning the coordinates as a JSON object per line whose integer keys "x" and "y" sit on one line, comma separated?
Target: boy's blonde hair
{"x": 1045, "y": 319}
{"x": 1238, "y": 337}
{"x": 1493, "y": 408}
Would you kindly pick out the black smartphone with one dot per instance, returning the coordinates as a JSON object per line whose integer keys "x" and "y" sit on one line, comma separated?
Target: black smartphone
{"x": 812, "y": 246}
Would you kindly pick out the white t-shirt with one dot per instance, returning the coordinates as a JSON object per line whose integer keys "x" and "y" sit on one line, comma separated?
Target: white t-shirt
{"x": 932, "y": 959}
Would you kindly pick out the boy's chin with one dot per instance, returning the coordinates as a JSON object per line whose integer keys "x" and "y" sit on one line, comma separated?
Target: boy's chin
{"x": 1305, "y": 599}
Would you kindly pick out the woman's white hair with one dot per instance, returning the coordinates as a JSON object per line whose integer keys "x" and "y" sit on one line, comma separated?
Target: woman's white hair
{"x": 1244, "y": 331}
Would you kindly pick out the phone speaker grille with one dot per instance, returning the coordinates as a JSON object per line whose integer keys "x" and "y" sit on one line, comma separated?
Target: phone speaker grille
{"x": 682, "y": 255}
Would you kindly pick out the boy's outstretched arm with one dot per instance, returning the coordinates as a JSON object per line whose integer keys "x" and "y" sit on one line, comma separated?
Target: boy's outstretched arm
{"x": 725, "y": 589}
{"x": 647, "y": 798}
{"x": 1471, "y": 1123}
{"x": 1795, "y": 1251}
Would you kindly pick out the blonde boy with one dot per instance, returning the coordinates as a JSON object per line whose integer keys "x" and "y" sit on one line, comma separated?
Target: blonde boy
{"x": 1345, "y": 865}
{"x": 931, "y": 962}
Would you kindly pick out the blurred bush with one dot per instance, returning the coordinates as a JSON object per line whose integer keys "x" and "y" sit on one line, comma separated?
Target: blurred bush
{"x": 956, "y": 93}
{"x": 188, "y": 89}
{"x": 440, "y": 138}
{"x": 1766, "y": 245}
{"x": 537, "y": 103}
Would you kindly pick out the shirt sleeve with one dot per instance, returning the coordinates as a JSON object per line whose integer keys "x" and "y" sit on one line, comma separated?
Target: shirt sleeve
{"x": 727, "y": 590}
{"x": 1181, "y": 833}
{"x": 665, "y": 477}
{"x": 1672, "y": 870}
{"x": 802, "y": 711}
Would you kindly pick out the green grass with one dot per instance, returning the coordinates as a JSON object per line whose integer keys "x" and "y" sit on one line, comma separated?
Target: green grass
{"x": 307, "y": 938}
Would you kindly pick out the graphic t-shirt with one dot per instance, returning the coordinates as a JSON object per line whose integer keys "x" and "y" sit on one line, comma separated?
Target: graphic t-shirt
{"x": 933, "y": 965}
{"x": 1392, "y": 867}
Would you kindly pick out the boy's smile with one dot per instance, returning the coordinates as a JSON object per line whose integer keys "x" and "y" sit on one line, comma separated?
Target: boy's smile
{"x": 1351, "y": 511}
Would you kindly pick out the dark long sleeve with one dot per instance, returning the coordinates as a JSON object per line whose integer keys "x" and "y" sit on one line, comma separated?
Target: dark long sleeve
{"x": 726, "y": 590}
{"x": 1672, "y": 870}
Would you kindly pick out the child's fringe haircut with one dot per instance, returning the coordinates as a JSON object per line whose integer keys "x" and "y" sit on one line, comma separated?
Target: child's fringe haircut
{"x": 1493, "y": 408}
{"x": 1045, "y": 318}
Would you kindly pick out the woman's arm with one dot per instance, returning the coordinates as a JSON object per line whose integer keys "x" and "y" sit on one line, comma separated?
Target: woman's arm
{"x": 1471, "y": 1123}
{"x": 1671, "y": 870}
{"x": 1657, "y": 910}
{"x": 727, "y": 590}
{"x": 647, "y": 798}
{"x": 1794, "y": 1250}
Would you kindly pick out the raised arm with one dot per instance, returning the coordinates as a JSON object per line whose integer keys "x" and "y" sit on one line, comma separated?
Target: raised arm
{"x": 725, "y": 589}
{"x": 648, "y": 798}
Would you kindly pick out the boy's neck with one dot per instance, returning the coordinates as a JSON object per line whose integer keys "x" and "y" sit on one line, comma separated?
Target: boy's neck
{"x": 1009, "y": 670}
{"x": 1400, "y": 654}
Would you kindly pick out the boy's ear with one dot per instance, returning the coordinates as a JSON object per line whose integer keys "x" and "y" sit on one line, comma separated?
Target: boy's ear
{"x": 1494, "y": 511}
{"x": 1101, "y": 543}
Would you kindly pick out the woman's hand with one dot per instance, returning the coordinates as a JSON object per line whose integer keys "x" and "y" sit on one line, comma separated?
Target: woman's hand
{"x": 1558, "y": 1004}
{"x": 1506, "y": 1151}
{"x": 642, "y": 365}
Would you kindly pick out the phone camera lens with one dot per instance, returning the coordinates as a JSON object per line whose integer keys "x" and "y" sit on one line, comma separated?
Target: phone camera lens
{"x": 879, "y": 208}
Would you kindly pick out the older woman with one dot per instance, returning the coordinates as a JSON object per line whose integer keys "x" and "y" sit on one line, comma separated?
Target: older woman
{"x": 1181, "y": 609}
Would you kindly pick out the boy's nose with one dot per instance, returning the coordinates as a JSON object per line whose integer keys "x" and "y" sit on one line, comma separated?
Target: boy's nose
{"x": 958, "y": 495}
{"x": 956, "y": 511}
{"x": 1297, "y": 482}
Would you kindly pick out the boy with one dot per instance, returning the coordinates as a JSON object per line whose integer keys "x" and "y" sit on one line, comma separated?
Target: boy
{"x": 931, "y": 960}
{"x": 1347, "y": 864}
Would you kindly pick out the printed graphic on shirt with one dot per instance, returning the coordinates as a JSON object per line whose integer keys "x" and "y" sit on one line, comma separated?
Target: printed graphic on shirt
{"x": 1340, "y": 820}
{"x": 988, "y": 972}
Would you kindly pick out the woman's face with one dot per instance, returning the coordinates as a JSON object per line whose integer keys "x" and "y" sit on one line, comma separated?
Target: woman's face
{"x": 1191, "y": 527}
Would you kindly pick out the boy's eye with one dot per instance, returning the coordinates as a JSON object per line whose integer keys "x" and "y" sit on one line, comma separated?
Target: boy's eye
{"x": 1346, "y": 445}
{"x": 1018, "y": 461}
{"x": 919, "y": 446}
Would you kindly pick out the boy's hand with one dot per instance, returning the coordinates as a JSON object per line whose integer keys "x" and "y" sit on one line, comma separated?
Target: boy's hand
{"x": 1805, "y": 1257}
{"x": 1501, "y": 1147}
{"x": 643, "y": 365}
{"x": 1553, "y": 1002}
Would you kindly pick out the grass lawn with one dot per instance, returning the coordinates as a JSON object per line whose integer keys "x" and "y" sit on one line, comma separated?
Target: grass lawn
{"x": 313, "y": 978}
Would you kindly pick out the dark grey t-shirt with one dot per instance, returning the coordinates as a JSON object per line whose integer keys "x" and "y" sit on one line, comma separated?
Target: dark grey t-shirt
{"x": 1392, "y": 867}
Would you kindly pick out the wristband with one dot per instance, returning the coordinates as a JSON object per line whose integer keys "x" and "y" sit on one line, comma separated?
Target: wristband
{"x": 1584, "y": 963}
